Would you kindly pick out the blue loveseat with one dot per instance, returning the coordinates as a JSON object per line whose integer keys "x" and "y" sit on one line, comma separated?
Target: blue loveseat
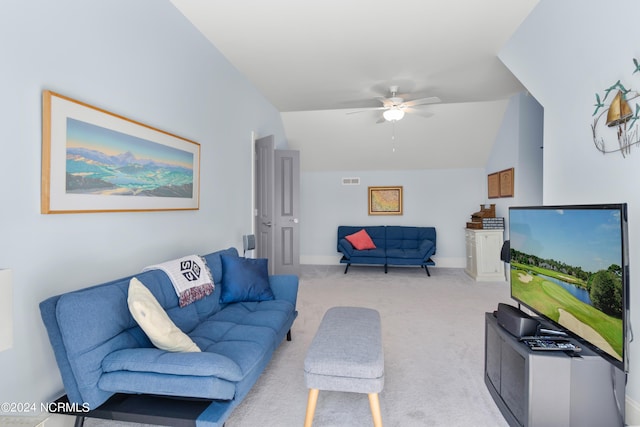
{"x": 102, "y": 353}
{"x": 394, "y": 245}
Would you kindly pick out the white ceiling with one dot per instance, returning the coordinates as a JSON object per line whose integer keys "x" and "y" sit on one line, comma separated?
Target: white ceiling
{"x": 317, "y": 61}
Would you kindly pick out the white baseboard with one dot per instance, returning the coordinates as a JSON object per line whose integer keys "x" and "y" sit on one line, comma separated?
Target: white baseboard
{"x": 632, "y": 412}
{"x": 445, "y": 262}
{"x": 450, "y": 262}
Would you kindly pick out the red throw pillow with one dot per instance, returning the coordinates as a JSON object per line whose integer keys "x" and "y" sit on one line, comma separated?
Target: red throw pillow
{"x": 361, "y": 240}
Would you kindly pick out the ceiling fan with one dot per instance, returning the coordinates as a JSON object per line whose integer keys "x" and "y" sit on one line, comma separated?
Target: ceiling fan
{"x": 395, "y": 106}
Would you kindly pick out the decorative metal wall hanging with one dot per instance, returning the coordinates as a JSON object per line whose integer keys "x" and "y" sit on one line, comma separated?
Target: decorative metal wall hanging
{"x": 619, "y": 115}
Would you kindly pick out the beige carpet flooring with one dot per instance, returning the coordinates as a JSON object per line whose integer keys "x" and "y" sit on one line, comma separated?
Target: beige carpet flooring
{"x": 433, "y": 338}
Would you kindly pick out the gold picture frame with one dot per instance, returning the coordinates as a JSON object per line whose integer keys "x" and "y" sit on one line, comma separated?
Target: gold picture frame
{"x": 97, "y": 161}
{"x": 506, "y": 182}
{"x": 493, "y": 185}
{"x": 385, "y": 200}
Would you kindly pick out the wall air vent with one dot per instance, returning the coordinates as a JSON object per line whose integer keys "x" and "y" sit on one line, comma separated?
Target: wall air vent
{"x": 351, "y": 181}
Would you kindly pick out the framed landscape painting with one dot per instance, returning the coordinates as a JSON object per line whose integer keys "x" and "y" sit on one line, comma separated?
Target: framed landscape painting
{"x": 97, "y": 161}
{"x": 385, "y": 200}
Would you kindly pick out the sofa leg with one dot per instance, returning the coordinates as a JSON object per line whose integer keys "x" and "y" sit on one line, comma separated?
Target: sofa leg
{"x": 427, "y": 270}
{"x": 289, "y": 335}
{"x": 79, "y": 421}
{"x": 385, "y": 269}
{"x": 346, "y": 269}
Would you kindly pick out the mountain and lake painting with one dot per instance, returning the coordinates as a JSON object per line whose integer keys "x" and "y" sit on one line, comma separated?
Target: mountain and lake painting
{"x": 101, "y": 161}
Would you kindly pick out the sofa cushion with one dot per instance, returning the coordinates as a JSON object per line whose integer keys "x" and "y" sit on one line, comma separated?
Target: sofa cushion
{"x": 155, "y": 322}
{"x": 361, "y": 240}
{"x": 245, "y": 331}
{"x": 410, "y": 255}
{"x": 369, "y": 253}
{"x": 421, "y": 252}
{"x": 403, "y": 237}
{"x": 168, "y": 385}
{"x": 244, "y": 279}
{"x": 154, "y": 360}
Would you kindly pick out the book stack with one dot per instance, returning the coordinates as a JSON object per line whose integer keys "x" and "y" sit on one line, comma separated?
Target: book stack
{"x": 493, "y": 223}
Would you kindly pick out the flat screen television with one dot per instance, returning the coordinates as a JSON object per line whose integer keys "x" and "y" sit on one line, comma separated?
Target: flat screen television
{"x": 569, "y": 265}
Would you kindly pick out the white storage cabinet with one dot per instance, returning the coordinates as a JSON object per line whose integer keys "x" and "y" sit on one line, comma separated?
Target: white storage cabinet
{"x": 483, "y": 254}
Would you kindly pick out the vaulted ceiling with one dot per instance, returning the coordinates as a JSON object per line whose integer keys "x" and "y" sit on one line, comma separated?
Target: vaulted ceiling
{"x": 318, "y": 62}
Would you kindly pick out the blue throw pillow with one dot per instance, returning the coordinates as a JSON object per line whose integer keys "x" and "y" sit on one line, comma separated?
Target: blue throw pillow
{"x": 244, "y": 279}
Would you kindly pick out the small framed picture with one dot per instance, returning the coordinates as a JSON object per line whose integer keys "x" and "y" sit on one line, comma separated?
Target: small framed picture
{"x": 385, "y": 200}
{"x": 506, "y": 183}
{"x": 493, "y": 185}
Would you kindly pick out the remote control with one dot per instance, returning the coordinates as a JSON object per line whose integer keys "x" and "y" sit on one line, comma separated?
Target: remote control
{"x": 553, "y": 332}
{"x": 551, "y": 345}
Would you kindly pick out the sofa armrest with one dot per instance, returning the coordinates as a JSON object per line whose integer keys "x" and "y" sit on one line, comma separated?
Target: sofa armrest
{"x": 285, "y": 287}
{"x": 345, "y": 247}
{"x": 427, "y": 248}
{"x": 200, "y": 364}
{"x": 50, "y": 319}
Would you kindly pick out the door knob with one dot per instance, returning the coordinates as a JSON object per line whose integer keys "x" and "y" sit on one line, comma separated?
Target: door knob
{"x": 268, "y": 224}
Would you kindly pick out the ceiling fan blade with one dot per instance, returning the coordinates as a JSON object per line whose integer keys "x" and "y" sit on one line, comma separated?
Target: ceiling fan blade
{"x": 364, "y": 110}
{"x": 418, "y": 112}
{"x": 422, "y": 101}
{"x": 380, "y": 120}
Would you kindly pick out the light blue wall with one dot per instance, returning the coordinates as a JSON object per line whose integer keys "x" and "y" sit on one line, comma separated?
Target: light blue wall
{"x": 564, "y": 53}
{"x": 144, "y": 60}
{"x": 442, "y": 198}
{"x": 530, "y": 151}
{"x": 518, "y": 145}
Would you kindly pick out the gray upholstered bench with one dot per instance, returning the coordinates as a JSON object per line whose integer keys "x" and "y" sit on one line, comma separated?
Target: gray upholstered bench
{"x": 346, "y": 355}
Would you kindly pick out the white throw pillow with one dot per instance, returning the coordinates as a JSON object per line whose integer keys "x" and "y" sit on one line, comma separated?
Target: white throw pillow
{"x": 155, "y": 322}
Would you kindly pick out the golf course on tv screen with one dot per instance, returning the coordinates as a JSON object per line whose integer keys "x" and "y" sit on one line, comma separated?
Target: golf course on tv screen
{"x": 566, "y": 265}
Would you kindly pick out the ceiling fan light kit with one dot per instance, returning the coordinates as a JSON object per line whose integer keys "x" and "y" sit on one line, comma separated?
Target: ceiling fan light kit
{"x": 393, "y": 114}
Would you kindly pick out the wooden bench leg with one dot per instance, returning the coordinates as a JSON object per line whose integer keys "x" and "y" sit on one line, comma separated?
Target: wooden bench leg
{"x": 374, "y": 403}
{"x": 311, "y": 406}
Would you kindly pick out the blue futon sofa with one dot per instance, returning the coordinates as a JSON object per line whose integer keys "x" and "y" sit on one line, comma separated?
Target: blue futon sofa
{"x": 103, "y": 354}
{"x": 394, "y": 245}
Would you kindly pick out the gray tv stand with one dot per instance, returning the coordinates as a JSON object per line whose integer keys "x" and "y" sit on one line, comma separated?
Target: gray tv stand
{"x": 543, "y": 388}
